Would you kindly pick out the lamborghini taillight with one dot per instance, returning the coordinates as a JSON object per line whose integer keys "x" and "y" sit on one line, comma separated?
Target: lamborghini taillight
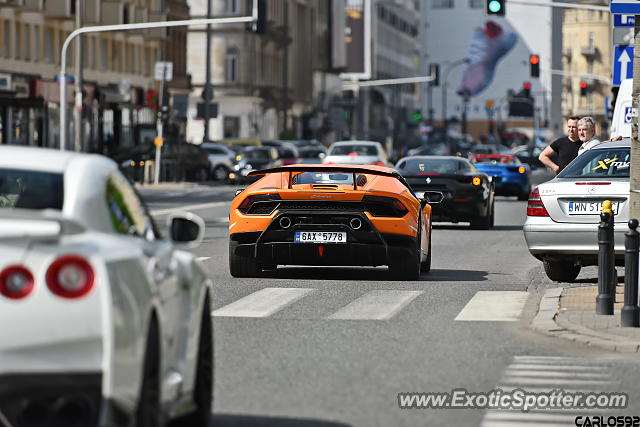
{"x": 260, "y": 204}
{"x": 381, "y": 206}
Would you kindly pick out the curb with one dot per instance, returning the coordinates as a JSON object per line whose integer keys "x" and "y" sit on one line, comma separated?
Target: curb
{"x": 548, "y": 323}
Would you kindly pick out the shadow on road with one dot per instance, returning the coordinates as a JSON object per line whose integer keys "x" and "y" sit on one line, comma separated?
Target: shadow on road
{"x": 224, "y": 420}
{"x": 464, "y": 226}
{"x": 372, "y": 274}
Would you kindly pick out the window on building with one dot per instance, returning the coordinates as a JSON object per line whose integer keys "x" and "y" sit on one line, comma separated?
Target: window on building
{"x": 27, "y": 42}
{"x": 6, "y": 44}
{"x": 232, "y": 6}
{"x": 476, "y": 4}
{"x": 17, "y": 47}
{"x": 231, "y": 66}
{"x": 48, "y": 45}
{"x": 37, "y": 36}
{"x": 442, "y": 4}
{"x": 104, "y": 51}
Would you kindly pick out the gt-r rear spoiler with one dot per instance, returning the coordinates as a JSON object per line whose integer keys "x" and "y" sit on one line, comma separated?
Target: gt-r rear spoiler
{"x": 330, "y": 168}
{"x": 28, "y": 223}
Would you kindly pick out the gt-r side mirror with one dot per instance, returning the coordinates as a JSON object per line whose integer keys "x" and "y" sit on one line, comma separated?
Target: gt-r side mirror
{"x": 186, "y": 229}
{"x": 239, "y": 190}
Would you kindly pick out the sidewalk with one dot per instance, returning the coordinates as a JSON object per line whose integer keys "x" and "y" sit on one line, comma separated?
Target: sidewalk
{"x": 179, "y": 185}
{"x": 568, "y": 311}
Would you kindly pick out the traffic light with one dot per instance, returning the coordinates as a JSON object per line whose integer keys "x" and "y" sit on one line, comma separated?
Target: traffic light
{"x": 584, "y": 88}
{"x": 416, "y": 117}
{"x": 434, "y": 71}
{"x": 534, "y": 65}
{"x": 260, "y": 25}
{"x": 526, "y": 89}
{"x": 495, "y": 7}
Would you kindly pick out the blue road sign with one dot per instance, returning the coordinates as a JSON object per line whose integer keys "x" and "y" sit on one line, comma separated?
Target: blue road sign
{"x": 622, "y": 64}
{"x": 629, "y": 7}
{"x": 624, "y": 20}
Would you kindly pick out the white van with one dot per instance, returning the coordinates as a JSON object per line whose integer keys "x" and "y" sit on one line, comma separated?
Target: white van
{"x": 621, "y": 122}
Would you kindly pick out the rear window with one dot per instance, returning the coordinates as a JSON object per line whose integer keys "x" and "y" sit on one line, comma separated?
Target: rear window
{"x": 606, "y": 163}
{"x": 441, "y": 166}
{"x": 354, "y": 150}
{"x": 26, "y": 189}
{"x": 260, "y": 154}
{"x": 311, "y": 153}
{"x": 326, "y": 178}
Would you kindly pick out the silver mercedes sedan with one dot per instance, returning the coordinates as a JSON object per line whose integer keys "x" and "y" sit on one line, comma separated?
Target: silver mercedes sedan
{"x": 563, "y": 214}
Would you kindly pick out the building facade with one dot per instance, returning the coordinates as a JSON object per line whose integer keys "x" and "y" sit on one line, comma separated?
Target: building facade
{"x": 119, "y": 89}
{"x": 587, "y": 51}
{"x": 265, "y": 86}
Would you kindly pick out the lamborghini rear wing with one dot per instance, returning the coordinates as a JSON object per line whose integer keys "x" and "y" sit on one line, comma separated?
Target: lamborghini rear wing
{"x": 330, "y": 168}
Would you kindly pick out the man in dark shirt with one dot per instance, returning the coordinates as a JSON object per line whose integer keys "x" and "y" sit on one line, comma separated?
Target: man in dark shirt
{"x": 566, "y": 147}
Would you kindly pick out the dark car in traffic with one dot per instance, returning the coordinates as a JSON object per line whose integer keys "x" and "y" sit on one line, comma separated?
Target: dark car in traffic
{"x": 254, "y": 158}
{"x": 468, "y": 194}
{"x": 179, "y": 161}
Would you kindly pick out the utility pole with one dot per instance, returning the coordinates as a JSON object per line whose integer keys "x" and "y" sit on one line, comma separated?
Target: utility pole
{"x": 77, "y": 112}
{"x": 160, "y": 126}
{"x": 634, "y": 194}
{"x": 207, "y": 78}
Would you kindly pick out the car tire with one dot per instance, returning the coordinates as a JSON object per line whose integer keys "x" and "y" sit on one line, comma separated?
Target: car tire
{"x": 240, "y": 266}
{"x": 561, "y": 271}
{"x": 481, "y": 223}
{"x": 425, "y": 267}
{"x": 148, "y": 408}
{"x": 220, "y": 173}
{"x": 203, "y": 390}
{"x": 405, "y": 267}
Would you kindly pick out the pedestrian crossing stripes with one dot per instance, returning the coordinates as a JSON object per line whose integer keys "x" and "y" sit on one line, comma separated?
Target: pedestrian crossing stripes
{"x": 379, "y": 305}
{"x": 263, "y": 303}
{"x": 537, "y": 374}
{"x": 376, "y": 305}
{"x": 498, "y": 306}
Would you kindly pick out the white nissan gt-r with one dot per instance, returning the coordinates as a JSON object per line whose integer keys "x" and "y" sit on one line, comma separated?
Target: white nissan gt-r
{"x": 103, "y": 321}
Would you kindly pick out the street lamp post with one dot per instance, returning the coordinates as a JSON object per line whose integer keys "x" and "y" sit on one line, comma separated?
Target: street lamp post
{"x": 444, "y": 93}
{"x": 127, "y": 27}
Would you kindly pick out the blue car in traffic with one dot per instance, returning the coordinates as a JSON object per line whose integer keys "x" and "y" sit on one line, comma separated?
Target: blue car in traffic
{"x": 512, "y": 177}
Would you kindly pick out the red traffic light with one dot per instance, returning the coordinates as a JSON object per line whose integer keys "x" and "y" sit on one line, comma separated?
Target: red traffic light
{"x": 583, "y": 85}
{"x": 527, "y": 85}
{"x": 534, "y": 59}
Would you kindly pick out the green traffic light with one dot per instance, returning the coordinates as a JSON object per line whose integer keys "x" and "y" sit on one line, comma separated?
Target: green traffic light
{"x": 494, "y": 6}
{"x": 416, "y": 117}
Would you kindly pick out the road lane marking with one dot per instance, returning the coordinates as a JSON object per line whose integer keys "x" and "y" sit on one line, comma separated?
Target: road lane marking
{"x": 376, "y": 305}
{"x": 262, "y": 303}
{"x": 497, "y": 306}
{"x": 204, "y": 258}
{"x": 537, "y": 374}
{"x": 189, "y": 208}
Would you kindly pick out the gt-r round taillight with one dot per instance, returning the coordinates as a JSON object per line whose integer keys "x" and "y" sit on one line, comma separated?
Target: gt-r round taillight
{"x": 70, "y": 276}
{"x": 16, "y": 282}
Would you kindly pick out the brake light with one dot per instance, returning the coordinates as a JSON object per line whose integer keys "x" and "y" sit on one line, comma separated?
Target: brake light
{"x": 593, "y": 183}
{"x": 476, "y": 180}
{"x": 265, "y": 204}
{"x": 16, "y": 282}
{"x": 378, "y": 163}
{"x": 353, "y": 153}
{"x": 535, "y": 207}
{"x": 70, "y": 276}
{"x": 381, "y": 206}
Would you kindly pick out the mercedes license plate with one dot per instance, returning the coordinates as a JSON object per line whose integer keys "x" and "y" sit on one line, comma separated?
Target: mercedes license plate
{"x": 589, "y": 208}
{"x": 320, "y": 237}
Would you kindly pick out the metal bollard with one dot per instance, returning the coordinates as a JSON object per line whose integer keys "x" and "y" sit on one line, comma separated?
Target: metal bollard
{"x": 629, "y": 313}
{"x": 606, "y": 261}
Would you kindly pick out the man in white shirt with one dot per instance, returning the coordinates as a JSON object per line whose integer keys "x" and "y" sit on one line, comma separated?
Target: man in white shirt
{"x": 587, "y": 134}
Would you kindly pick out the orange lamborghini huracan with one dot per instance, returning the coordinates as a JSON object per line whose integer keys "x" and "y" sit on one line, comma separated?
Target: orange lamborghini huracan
{"x": 330, "y": 215}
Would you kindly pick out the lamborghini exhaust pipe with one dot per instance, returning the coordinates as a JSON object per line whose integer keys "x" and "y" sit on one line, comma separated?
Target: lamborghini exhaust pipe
{"x": 355, "y": 223}
{"x": 285, "y": 222}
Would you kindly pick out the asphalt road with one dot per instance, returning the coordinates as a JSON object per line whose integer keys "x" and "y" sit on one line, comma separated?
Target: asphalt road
{"x": 351, "y": 339}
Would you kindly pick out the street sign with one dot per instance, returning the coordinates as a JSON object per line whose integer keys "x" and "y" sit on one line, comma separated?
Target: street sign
{"x": 622, "y": 35}
{"x": 629, "y": 7}
{"x": 164, "y": 69}
{"x": 624, "y": 20}
{"x": 622, "y": 63}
